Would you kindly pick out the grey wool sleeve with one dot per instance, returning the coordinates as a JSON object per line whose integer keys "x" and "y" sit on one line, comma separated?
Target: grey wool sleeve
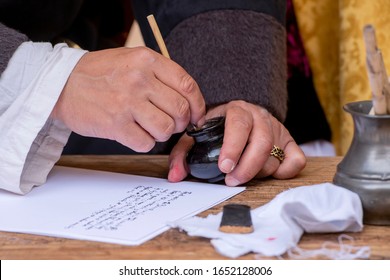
{"x": 10, "y": 40}
{"x": 234, "y": 55}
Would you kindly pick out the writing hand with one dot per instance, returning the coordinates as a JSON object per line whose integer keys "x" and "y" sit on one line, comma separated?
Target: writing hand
{"x": 134, "y": 96}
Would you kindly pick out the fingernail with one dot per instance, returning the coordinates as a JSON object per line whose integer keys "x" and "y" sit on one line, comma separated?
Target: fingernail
{"x": 227, "y": 165}
{"x": 232, "y": 182}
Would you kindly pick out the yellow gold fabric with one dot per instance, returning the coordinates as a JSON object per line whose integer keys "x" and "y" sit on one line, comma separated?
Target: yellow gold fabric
{"x": 332, "y": 33}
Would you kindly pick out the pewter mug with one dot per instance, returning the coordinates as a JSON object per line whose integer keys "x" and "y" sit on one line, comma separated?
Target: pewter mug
{"x": 365, "y": 169}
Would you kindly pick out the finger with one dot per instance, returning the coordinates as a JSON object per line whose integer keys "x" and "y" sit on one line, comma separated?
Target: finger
{"x": 293, "y": 163}
{"x": 178, "y": 169}
{"x": 270, "y": 167}
{"x": 134, "y": 137}
{"x": 238, "y": 126}
{"x": 252, "y": 160}
{"x": 178, "y": 79}
{"x": 156, "y": 122}
{"x": 255, "y": 154}
{"x": 172, "y": 103}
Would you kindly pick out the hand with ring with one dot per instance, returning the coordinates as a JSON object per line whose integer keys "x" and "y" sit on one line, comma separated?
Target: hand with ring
{"x": 255, "y": 144}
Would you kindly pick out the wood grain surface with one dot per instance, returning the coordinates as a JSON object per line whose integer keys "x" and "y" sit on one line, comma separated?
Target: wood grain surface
{"x": 174, "y": 244}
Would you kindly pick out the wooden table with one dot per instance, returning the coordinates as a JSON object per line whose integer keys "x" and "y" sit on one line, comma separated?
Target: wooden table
{"x": 174, "y": 244}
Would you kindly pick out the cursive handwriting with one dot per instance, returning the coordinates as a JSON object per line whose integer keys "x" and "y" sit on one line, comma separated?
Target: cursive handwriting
{"x": 137, "y": 202}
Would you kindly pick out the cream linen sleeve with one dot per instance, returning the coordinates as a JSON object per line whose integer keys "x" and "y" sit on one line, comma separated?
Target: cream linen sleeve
{"x": 31, "y": 142}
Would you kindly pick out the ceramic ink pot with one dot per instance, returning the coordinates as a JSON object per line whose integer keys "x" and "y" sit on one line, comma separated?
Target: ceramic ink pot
{"x": 365, "y": 169}
{"x": 202, "y": 159}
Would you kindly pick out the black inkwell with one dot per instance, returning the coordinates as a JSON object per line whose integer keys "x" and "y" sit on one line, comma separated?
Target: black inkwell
{"x": 236, "y": 218}
{"x": 202, "y": 159}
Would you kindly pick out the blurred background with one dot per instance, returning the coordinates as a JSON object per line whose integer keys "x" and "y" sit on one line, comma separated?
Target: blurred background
{"x": 332, "y": 34}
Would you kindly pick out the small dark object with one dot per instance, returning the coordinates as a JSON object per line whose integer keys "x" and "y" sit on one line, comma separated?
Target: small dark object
{"x": 202, "y": 159}
{"x": 236, "y": 218}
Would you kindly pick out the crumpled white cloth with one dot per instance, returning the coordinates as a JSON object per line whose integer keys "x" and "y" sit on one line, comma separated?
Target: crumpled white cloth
{"x": 279, "y": 224}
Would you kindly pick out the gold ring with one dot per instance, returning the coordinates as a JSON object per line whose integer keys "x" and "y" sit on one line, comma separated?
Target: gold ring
{"x": 278, "y": 153}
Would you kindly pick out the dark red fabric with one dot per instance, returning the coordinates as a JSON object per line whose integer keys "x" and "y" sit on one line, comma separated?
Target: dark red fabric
{"x": 305, "y": 119}
{"x": 296, "y": 56}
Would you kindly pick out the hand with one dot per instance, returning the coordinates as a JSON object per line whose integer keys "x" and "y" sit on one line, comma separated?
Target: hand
{"x": 250, "y": 133}
{"x": 134, "y": 96}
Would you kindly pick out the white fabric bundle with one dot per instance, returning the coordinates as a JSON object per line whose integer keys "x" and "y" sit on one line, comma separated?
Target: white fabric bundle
{"x": 279, "y": 225}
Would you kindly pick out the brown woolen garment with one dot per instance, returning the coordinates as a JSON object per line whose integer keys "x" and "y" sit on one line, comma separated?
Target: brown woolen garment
{"x": 10, "y": 40}
{"x": 234, "y": 54}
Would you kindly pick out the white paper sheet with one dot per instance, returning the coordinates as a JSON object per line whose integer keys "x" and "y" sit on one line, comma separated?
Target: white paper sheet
{"x": 105, "y": 206}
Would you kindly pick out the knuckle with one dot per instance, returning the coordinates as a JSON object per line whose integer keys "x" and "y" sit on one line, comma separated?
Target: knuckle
{"x": 238, "y": 104}
{"x": 240, "y": 115}
{"x": 137, "y": 78}
{"x": 243, "y": 123}
{"x": 265, "y": 144}
{"x": 264, "y": 112}
{"x": 167, "y": 129}
{"x": 145, "y": 55}
{"x": 187, "y": 83}
{"x": 183, "y": 111}
{"x": 299, "y": 162}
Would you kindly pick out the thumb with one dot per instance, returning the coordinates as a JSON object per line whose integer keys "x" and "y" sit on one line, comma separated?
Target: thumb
{"x": 178, "y": 168}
